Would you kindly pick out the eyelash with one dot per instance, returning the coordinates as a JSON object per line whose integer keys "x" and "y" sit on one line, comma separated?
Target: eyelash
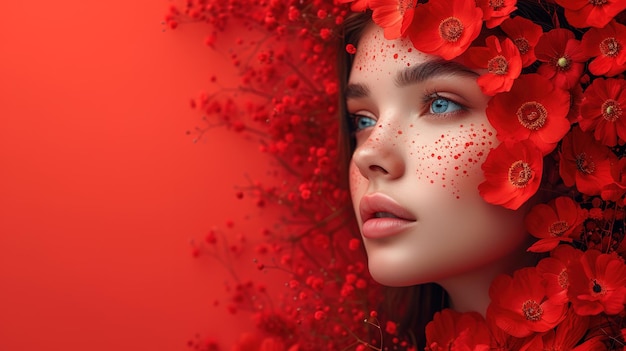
{"x": 430, "y": 97}
{"x": 427, "y": 101}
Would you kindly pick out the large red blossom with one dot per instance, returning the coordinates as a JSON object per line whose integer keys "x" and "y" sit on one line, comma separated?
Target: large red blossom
{"x": 562, "y": 57}
{"x": 394, "y": 16}
{"x": 495, "y": 12}
{"x": 445, "y": 27}
{"x": 608, "y": 46}
{"x": 603, "y": 110}
{"x": 566, "y": 336}
{"x": 525, "y": 34}
{"x": 520, "y": 306}
{"x": 533, "y": 110}
{"x": 512, "y": 174}
{"x": 502, "y": 61}
{"x": 585, "y": 163}
{"x": 559, "y": 220}
{"x": 598, "y": 283}
{"x": 555, "y": 274}
{"x": 591, "y": 13}
{"x": 452, "y": 330}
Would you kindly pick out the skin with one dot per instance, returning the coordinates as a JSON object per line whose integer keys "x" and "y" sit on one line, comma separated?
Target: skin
{"x": 426, "y": 156}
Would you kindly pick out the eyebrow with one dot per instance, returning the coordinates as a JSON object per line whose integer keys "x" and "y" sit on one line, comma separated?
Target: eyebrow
{"x": 414, "y": 75}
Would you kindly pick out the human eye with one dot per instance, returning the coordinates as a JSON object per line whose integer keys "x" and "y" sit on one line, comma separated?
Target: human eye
{"x": 361, "y": 122}
{"x": 440, "y": 105}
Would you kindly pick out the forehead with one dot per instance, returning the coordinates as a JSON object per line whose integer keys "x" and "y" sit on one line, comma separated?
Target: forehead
{"x": 377, "y": 55}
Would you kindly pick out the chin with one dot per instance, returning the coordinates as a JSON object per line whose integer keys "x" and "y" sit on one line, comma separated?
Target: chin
{"x": 394, "y": 276}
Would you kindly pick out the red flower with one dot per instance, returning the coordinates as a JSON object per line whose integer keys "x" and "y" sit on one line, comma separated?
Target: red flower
{"x": 603, "y": 110}
{"x": 451, "y": 330}
{"x": 555, "y": 274}
{"x": 533, "y": 110}
{"x": 598, "y": 283}
{"x": 525, "y": 34}
{"x": 494, "y": 12}
{"x": 502, "y": 61}
{"x": 559, "y": 220}
{"x": 608, "y": 46}
{"x": 519, "y": 304}
{"x": 512, "y": 174}
{"x": 394, "y": 16}
{"x": 617, "y": 189}
{"x": 587, "y": 13}
{"x": 562, "y": 57}
{"x": 585, "y": 163}
{"x": 446, "y": 27}
{"x": 564, "y": 337}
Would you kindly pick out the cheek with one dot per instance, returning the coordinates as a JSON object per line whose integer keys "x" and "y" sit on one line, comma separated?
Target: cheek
{"x": 357, "y": 182}
{"x": 452, "y": 162}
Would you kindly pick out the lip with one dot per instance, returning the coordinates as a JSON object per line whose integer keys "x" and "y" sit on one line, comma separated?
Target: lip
{"x": 376, "y": 227}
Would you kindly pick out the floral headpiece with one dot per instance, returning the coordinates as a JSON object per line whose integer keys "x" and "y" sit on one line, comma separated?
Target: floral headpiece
{"x": 558, "y": 96}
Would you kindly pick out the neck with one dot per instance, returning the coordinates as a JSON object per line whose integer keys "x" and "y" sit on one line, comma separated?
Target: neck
{"x": 470, "y": 291}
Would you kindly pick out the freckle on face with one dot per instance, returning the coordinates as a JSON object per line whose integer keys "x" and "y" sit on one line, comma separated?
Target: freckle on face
{"x": 454, "y": 156}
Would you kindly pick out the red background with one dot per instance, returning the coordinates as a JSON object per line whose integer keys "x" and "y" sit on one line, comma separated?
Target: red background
{"x": 100, "y": 188}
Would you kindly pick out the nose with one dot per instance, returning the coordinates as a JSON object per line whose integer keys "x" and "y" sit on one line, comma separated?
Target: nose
{"x": 380, "y": 156}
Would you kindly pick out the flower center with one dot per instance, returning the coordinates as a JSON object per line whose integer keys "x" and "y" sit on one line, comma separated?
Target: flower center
{"x": 563, "y": 63}
{"x": 610, "y": 47}
{"x": 496, "y": 4}
{"x": 563, "y": 279}
{"x": 498, "y": 65}
{"x": 450, "y": 29}
{"x": 585, "y": 164}
{"x": 598, "y": 2}
{"x": 597, "y": 288}
{"x": 522, "y": 45}
{"x": 520, "y": 174}
{"x": 611, "y": 110}
{"x": 532, "y": 115}
{"x": 532, "y": 310}
{"x": 558, "y": 228}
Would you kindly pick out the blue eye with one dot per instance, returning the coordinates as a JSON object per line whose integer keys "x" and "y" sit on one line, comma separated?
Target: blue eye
{"x": 443, "y": 105}
{"x": 360, "y": 122}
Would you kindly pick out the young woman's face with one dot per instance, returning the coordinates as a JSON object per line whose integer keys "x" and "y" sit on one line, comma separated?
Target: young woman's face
{"x": 421, "y": 137}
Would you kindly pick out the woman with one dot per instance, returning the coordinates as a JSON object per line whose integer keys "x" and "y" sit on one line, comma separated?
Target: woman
{"x": 448, "y": 145}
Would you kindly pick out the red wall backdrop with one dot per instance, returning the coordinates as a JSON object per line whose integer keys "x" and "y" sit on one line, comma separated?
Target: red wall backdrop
{"x": 100, "y": 188}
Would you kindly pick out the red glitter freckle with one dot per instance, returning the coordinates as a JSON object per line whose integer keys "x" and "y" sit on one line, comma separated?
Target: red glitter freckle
{"x": 432, "y": 155}
{"x": 432, "y": 181}
{"x": 410, "y": 50}
{"x": 395, "y": 56}
{"x": 399, "y": 132}
{"x": 469, "y": 160}
{"x": 408, "y": 64}
{"x": 439, "y": 157}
